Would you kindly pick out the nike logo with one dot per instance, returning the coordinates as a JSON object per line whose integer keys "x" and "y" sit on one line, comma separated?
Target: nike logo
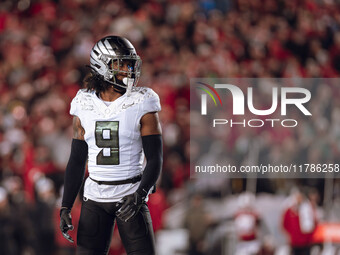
{"x": 124, "y": 106}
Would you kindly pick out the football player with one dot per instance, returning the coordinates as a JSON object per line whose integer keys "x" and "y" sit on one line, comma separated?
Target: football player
{"x": 114, "y": 122}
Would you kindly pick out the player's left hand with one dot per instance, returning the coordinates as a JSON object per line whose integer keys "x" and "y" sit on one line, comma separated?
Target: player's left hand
{"x": 130, "y": 206}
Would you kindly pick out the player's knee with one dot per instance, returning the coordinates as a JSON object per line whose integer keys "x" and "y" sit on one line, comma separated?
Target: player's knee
{"x": 137, "y": 235}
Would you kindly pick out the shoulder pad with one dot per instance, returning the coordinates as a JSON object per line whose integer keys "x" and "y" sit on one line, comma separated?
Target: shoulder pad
{"x": 147, "y": 97}
{"x": 141, "y": 94}
{"x": 81, "y": 102}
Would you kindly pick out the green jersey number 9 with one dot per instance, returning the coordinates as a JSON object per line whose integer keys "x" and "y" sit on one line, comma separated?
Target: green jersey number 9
{"x": 106, "y": 135}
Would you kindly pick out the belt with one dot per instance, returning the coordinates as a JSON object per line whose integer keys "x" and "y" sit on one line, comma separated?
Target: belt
{"x": 120, "y": 182}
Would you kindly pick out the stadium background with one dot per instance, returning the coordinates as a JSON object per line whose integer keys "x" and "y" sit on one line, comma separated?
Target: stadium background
{"x": 44, "y": 47}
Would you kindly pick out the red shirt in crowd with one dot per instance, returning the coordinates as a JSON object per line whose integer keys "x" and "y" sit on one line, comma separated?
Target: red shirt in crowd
{"x": 291, "y": 223}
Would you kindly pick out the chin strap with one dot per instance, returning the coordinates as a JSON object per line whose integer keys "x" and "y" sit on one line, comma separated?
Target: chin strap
{"x": 129, "y": 82}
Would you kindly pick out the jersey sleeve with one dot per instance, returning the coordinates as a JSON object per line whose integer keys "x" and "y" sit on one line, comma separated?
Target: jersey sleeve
{"x": 151, "y": 102}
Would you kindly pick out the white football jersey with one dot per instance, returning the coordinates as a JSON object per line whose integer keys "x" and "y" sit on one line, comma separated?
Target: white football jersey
{"x": 114, "y": 141}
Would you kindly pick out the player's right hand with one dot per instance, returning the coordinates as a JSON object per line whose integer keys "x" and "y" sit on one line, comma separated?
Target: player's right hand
{"x": 66, "y": 223}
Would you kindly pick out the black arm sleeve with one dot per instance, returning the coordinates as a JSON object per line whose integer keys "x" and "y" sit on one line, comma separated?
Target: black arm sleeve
{"x": 75, "y": 172}
{"x": 153, "y": 150}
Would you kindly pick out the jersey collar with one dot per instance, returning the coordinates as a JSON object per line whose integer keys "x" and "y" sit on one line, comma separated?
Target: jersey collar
{"x": 107, "y": 110}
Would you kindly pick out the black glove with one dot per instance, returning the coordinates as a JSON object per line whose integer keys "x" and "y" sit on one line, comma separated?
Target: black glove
{"x": 129, "y": 206}
{"x": 66, "y": 223}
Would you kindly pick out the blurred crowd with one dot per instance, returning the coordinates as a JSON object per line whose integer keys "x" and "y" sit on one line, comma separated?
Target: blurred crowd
{"x": 44, "y": 50}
